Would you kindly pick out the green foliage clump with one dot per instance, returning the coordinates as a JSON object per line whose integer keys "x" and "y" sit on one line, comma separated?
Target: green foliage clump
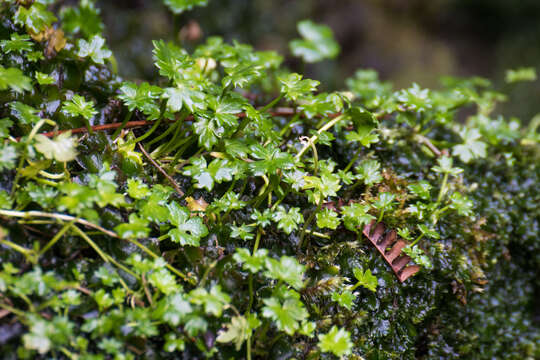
{"x": 218, "y": 212}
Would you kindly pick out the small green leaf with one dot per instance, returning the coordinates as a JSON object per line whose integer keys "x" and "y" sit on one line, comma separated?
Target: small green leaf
{"x": 472, "y": 148}
{"x": 17, "y": 43}
{"x": 94, "y": 49}
{"x": 327, "y": 219}
{"x": 356, "y": 215}
{"x": 243, "y": 232}
{"x": 170, "y": 59}
{"x": 238, "y": 330}
{"x": 137, "y": 189}
{"x": 366, "y": 279}
{"x": 78, "y": 106}
{"x": 461, "y": 204}
{"x": 287, "y": 269}
{"x": 44, "y": 79}
{"x": 368, "y": 171}
{"x": 294, "y": 87}
{"x": 521, "y": 74}
{"x": 445, "y": 166}
{"x": 344, "y": 299}
{"x": 142, "y": 97}
{"x": 184, "y": 96}
{"x": 14, "y": 79}
{"x": 418, "y": 256}
{"x": 8, "y": 154}
{"x": 287, "y": 315}
{"x": 82, "y": 19}
{"x": 253, "y": 263}
{"x": 327, "y": 185}
{"x": 179, "y": 6}
{"x": 61, "y": 148}
{"x": 136, "y": 228}
{"x": 187, "y": 231}
{"x": 288, "y": 220}
{"x": 317, "y": 44}
{"x": 35, "y": 18}
{"x": 337, "y": 341}
{"x": 420, "y": 189}
{"x": 213, "y": 301}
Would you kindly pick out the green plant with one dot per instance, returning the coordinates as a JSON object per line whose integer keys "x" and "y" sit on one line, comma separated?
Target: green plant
{"x": 217, "y": 212}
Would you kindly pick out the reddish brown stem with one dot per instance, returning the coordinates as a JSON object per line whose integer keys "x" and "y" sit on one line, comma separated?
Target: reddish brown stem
{"x": 171, "y": 180}
{"x": 140, "y": 123}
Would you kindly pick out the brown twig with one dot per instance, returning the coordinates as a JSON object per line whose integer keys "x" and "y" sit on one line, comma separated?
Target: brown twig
{"x": 171, "y": 180}
{"x": 424, "y": 140}
{"x": 140, "y": 123}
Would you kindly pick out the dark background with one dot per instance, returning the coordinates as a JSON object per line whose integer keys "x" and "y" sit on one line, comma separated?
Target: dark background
{"x": 404, "y": 40}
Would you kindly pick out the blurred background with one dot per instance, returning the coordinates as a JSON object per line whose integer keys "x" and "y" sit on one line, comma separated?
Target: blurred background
{"x": 404, "y": 40}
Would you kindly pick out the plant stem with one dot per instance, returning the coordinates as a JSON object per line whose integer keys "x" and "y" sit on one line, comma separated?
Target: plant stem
{"x": 164, "y": 134}
{"x": 380, "y": 216}
{"x": 417, "y": 240}
{"x": 56, "y": 237}
{"x": 353, "y": 160}
{"x": 306, "y": 224}
{"x": 106, "y": 257}
{"x": 121, "y": 127}
{"x": 13, "y": 310}
{"x": 271, "y": 103}
{"x": 167, "y": 176}
{"x": 443, "y": 188}
{"x": 30, "y": 214}
{"x": 24, "y": 251}
{"x": 315, "y": 137}
{"x": 153, "y": 128}
{"x": 257, "y": 240}
{"x": 286, "y": 127}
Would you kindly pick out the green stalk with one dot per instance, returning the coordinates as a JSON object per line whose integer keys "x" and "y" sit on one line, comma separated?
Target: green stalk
{"x": 13, "y": 310}
{"x": 22, "y": 250}
{"x": 286, "y": 127}
{"x": 56, "y": 237}
{"x": 271, "y": 103}
{"x": 153, "y": 128}
{"x": 443, "y": 188}
{"x": 417, "y": 240}
{"x": 173, "y": 127}
{"x": 380, "y": 216}
{"x": 309, "y": 220}
{"x": 33, "y": 133}
{"x": 315, "y": 137}
{"x": 119, "y": 130}
{"x": 353, "y": 160}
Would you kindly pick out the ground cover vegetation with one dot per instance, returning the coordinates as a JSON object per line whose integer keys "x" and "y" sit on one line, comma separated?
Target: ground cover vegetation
{"x": 218, "y": 212}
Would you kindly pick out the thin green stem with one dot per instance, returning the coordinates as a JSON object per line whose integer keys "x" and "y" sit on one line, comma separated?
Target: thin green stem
{"x": 56, "y": 237}
{"x": 353, "y": 159}
{"x": 288, "y": 125}
{"x": 164, "y": 134}
{"x": 381, "y": 215}
{"x": 24, "y": 251}
{"x": 443, "y": 188}
{"x": 153, "y": 128}
{"x": 315, "y": 137}
{"x": 206, "y": 273}
{"x": 11, "y": 309}
{"x": 417, "y": 240}
{"x": 271, "y": 103}
{"x": 257, "y": 240}
{"x": 22, "y": 159}
{"x": 308, "y": 221}
{"x": 31, "y": 214}
{"x": 121, "y": 127}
